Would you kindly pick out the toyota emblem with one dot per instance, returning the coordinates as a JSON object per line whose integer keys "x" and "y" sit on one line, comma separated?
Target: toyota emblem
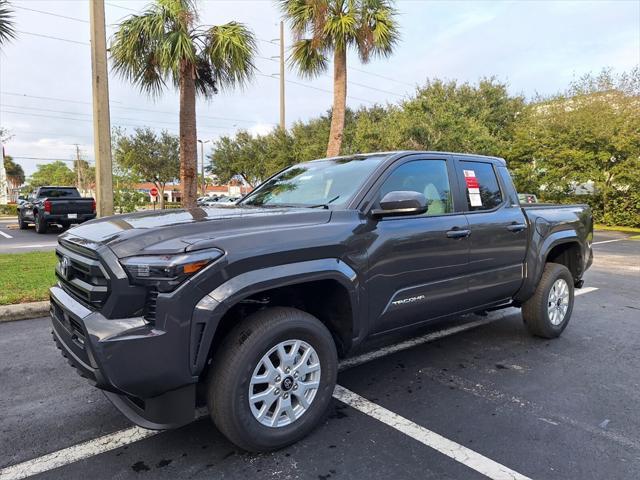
{"x": 65, "y": 266}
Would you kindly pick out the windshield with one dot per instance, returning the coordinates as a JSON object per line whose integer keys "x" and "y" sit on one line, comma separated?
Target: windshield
{"x": 318, "y": 183}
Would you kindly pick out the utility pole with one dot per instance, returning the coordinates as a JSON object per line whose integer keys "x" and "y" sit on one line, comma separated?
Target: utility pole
{"x": 79, "y": 177}
{"x": 101, "y": 120}
{"x": 282, "y": 122}
{"x": 204, "y": 181}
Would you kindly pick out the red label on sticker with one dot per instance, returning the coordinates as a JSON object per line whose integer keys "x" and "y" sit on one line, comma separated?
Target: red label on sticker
{"x": 472, "y": 182}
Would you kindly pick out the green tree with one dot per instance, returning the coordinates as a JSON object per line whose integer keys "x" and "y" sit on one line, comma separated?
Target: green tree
{"x": 54, "y": 173}
{"x": 148, "y": 156}
{"x": 590, "y": 133}
{"x": 7, "y": 30}
{"x": 322, "y": 27}
{"x": 165, "y": 44}
{"x": 15, "y": 173}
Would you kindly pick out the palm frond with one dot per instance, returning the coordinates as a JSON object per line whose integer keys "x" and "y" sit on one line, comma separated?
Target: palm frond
{"x": 309, "y": 59}
{"x": 205, "y": 79}
{"x": 230, "y": 49}
{"x": 377, "y": 32}
{"x": 7, "y": 30}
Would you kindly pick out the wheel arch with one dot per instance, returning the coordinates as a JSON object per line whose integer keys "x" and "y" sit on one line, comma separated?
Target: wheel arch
{"x": 558, "y": 247}
{"x": 326, "y": 288}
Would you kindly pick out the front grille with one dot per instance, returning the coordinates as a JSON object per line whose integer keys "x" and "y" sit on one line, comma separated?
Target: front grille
{"x": 81, "y": 275}
{"x": 150, "y": 305}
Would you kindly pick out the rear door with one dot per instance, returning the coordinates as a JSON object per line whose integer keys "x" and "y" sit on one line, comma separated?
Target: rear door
{"x": 498, "y": 240}
{"x": 417, "y": 264}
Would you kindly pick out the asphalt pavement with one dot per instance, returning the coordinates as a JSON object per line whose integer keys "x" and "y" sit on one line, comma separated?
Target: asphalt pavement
{"x": 14, "y": 240}
{"x": 489, "y": 398}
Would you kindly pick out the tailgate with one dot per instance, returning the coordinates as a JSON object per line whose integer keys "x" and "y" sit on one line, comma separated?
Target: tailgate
{"x": 77, "y": 205}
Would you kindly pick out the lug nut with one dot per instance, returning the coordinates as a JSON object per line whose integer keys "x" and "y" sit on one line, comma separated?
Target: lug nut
{"x": 295, "y": 375}
{"x": 278, "y": 378}
{"x": 295, "y": 386}
{"x": 286, "y": 395}
{"x": 277, "y": 392}
{"x": 287, "y": 370}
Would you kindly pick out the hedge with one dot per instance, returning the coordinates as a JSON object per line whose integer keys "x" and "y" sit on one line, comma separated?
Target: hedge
{"x": 8, "y": 210}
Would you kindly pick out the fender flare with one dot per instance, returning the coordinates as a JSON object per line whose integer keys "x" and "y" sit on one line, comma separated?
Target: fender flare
{"x": 537, "y": 259}
{"x": 212, "y": 307}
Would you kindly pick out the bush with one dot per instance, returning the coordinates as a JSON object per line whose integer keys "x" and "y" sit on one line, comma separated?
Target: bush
{"x": 623, "y": 207}
{"x": 8, "y": 210}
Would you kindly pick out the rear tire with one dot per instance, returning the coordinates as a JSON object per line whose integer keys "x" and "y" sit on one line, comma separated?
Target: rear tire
{"x": 297, "y": 390}
{"x": 548, "y": 312}
{"x": 41, "y": 225}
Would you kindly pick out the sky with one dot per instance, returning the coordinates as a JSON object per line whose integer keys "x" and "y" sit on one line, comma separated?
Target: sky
{"x": 537, "y": 47}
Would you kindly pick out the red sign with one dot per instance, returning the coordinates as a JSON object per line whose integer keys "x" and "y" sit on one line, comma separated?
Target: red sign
{"x": 472, "y": 182}
{"x": 153, "y": 192}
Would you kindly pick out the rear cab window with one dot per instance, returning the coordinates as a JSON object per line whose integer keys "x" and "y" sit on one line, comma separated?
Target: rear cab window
{"x": 59, "y": 193}
{"x": 481, "y": 186}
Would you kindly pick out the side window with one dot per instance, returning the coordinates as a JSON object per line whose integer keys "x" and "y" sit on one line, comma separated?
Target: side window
{"x": 481, "y": 185}
{"x": 428, "y": 177}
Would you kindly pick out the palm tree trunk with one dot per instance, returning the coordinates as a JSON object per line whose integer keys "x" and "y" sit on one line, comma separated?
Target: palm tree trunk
{"x": 339, "y": 102}
{"x": 188, "y": 137}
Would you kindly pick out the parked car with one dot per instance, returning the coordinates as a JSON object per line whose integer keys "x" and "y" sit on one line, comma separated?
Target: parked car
{"x": 61, "y": 205}
{"x": 527, "y": 198}
{"x": 248, "y": 309}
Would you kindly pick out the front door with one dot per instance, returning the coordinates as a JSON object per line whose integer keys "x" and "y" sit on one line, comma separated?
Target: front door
{"x": 418, "y": 263}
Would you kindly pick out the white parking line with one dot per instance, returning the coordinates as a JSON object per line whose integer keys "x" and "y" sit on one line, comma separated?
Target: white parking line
{"x": 451, "y": 449}
{"x": 609, "y": 241}
{"x": 33, "y": 245}
{"x": 5, "y": 235}
{"x": 127, "y": 436}
{"x": 583, "y": 290}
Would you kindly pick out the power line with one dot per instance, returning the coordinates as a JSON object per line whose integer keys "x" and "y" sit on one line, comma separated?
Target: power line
{"x": 38, "y": 109}
{"x": 119, "y": 6}
{"x": 51, "y": 37}
{"x": 50, "y": 13}
{"x": 49, "y": 159}
{"x": 382, "y": 76}
{"x": 208, "y": 117}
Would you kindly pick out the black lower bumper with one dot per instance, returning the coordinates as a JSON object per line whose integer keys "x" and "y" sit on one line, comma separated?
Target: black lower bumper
{"x": 100, "y": 350}
{"x": 63, "y": 218}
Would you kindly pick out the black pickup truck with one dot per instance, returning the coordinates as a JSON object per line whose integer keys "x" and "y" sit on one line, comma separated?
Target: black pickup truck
{"x": 249, "y": 307}
{"x": 61, "y": 205}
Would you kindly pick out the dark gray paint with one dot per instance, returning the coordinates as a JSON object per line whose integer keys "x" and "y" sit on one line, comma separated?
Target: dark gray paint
{"x": 400, "y": 272}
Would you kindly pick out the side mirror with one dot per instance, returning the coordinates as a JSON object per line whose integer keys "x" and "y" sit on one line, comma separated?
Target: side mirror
{"x": 400, "y": 203}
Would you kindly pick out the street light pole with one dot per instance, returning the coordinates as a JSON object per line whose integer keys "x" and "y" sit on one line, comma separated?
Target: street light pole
{"x": 204, "y": 182}
{"x": 101, "y": 120}
{"x": 282, "y": 120}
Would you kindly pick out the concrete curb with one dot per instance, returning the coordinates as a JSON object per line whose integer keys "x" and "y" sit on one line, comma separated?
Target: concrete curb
{"x": 24, "y": 311}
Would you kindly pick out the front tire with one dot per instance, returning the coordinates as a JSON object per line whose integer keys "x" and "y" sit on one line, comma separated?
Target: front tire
{"x": 548, "y": 312}
{"x": 41, "y": 225}
{"x": 272, "y": 380}
{"x": 21, "y": 223}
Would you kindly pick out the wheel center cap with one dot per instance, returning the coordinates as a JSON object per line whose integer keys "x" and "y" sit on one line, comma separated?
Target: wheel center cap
{"x": 287, "y": 383}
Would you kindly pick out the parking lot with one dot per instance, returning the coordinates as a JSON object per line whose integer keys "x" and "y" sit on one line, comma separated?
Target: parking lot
{"x": 472, "y": 398}
{"x": 14, "y": 240}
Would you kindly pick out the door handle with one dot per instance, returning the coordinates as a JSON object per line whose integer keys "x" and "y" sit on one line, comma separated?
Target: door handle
{"x": 517, "y": 227}
{"x": 457, "y": 233}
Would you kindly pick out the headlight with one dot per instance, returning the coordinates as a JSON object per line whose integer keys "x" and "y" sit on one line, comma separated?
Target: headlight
{"x": 166, "y": 272}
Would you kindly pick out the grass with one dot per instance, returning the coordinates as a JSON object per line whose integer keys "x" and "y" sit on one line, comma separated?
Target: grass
{"x": 599, "y": 226}
{"x": 26, "y": 277}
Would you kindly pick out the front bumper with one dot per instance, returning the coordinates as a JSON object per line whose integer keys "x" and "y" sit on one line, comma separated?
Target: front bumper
{"x": 125, "y": 358}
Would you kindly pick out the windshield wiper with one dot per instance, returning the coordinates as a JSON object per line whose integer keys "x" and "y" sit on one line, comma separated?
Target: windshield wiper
{"x": 326, "y": 204}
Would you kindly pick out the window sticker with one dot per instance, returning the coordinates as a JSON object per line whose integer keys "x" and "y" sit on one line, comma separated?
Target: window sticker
{"x": 473, "y": 187}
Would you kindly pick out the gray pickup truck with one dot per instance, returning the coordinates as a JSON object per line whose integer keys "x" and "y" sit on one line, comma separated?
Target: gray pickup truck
{"x": 61, "y": 205}
{"x": 247, "y": 308}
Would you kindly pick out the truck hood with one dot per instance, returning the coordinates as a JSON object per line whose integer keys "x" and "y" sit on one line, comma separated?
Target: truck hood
{"x": 176, "y": 231}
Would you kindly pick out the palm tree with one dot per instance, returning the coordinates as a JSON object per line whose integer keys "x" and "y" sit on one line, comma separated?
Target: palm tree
{"x": 164, "y": 44}
{"x": 323, "y": 26}
{"x": 7, "y": 32}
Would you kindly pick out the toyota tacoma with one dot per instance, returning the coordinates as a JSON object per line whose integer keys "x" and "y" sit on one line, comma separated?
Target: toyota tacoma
{"x": 248, "y": 308}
